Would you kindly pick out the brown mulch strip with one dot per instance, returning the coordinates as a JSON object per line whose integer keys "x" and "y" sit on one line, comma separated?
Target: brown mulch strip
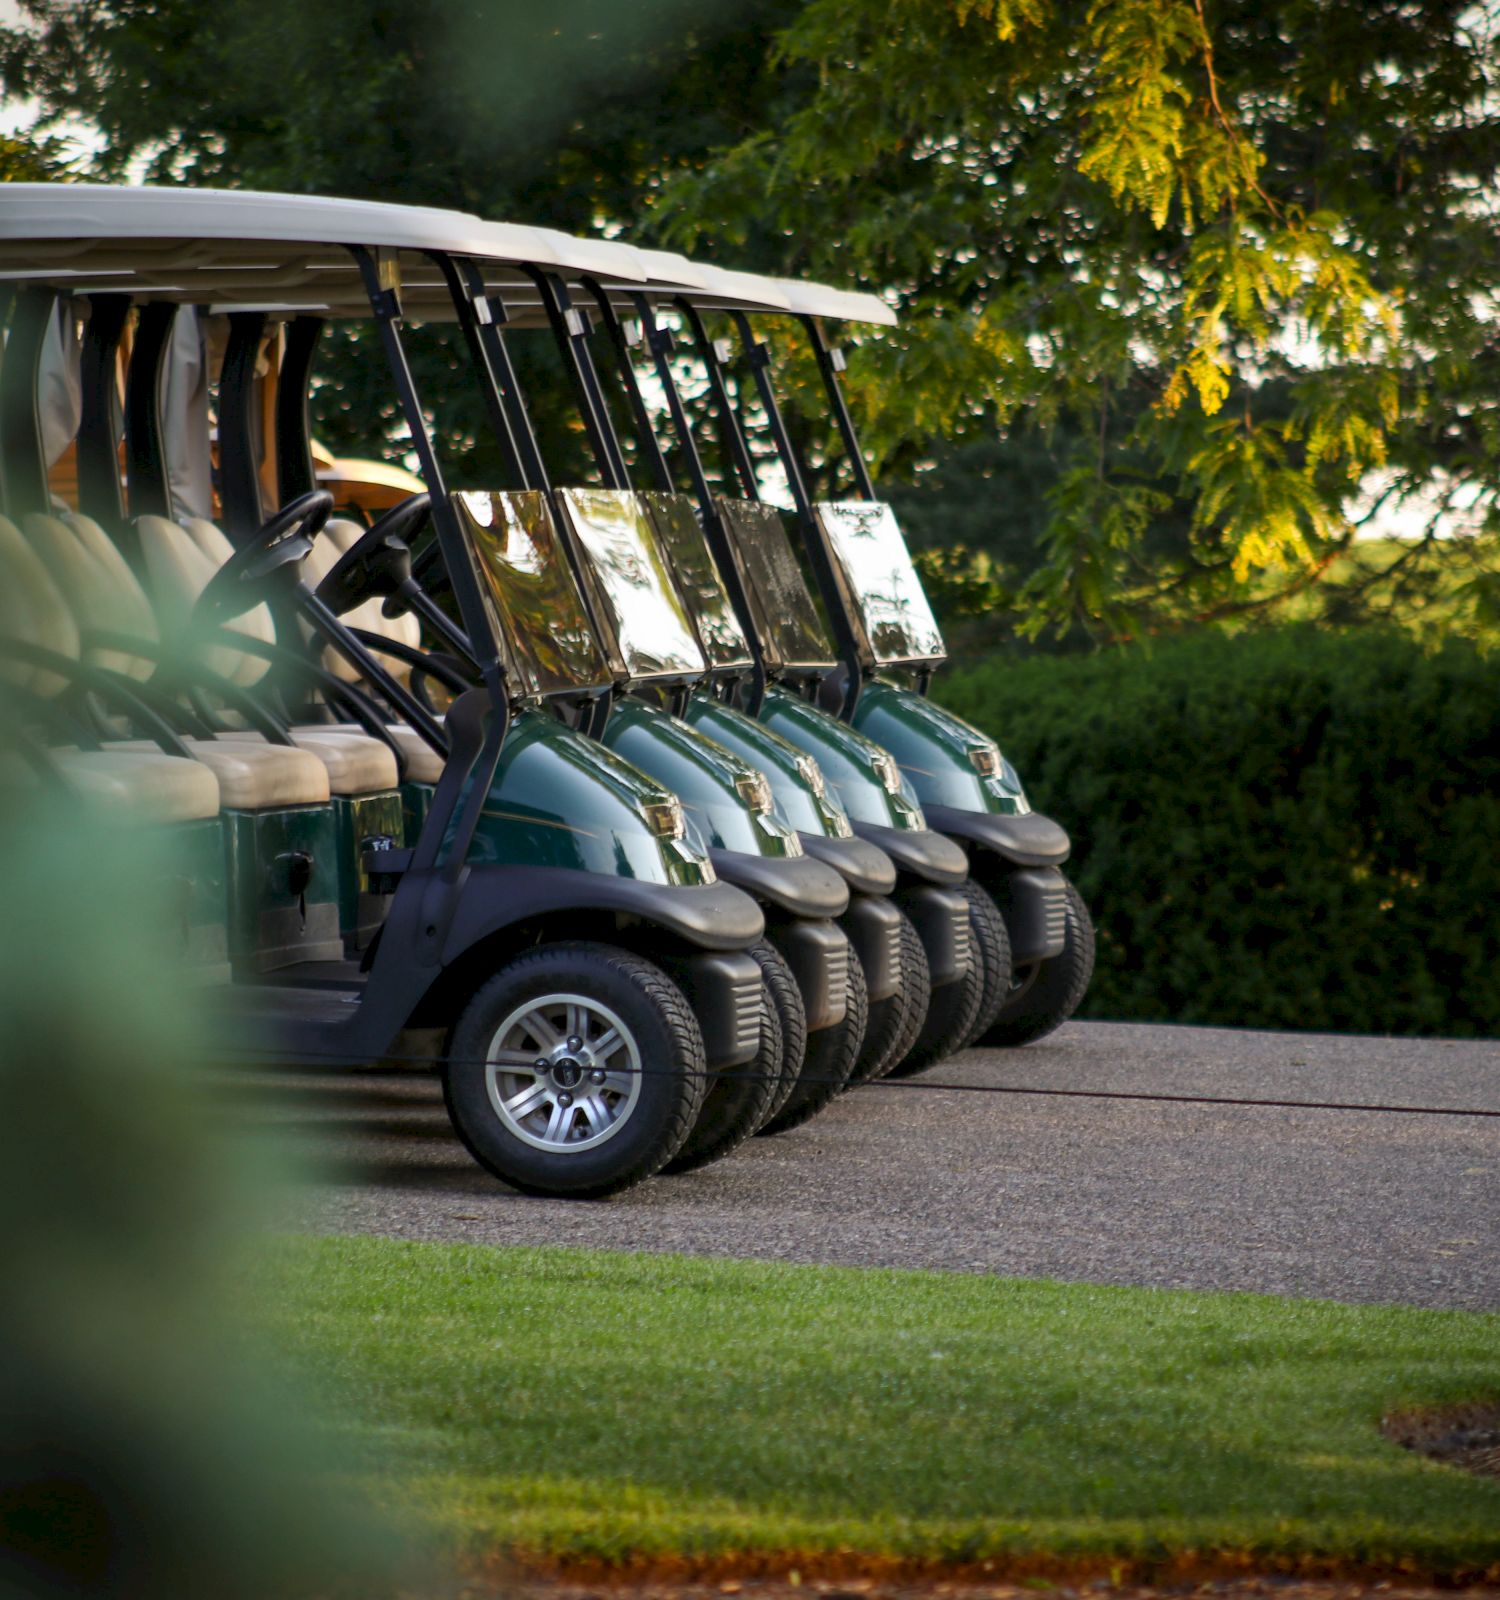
{"x": 1466, "y": 1436}
{"x": 532, "y": 1587}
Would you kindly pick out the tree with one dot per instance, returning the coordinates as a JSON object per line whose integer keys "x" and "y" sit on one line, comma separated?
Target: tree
{"x": 1235, "y": 261}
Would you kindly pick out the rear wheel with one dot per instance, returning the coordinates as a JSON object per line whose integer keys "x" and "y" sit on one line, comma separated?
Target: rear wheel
{"x": 831, "y": 1054}
{"x": 738, "y": 1100}
{"x": 576, "y": 1071}
{"x": 1045, "y": 994}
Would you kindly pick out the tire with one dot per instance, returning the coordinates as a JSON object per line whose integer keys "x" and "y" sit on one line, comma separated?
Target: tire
{"x": 786, "y": 997}
{"x": 894, "y": 1022}
{"x": 1043, "y": 996}
{"x": 990, "y": 943}
{"x": 563, "y": 1132}
{"x": 738, "y": 1100}
{"x": 831, "y": 1054}
{"x": 951, "y": 1014}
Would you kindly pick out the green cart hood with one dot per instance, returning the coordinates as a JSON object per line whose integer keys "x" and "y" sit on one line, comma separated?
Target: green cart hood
{"x": 948, "y": 761}
{"x": 562, "y": 800}
{"x": 852, "y": 763}
{"x": 803, "y": 799}
{"x": 726, "y": 798}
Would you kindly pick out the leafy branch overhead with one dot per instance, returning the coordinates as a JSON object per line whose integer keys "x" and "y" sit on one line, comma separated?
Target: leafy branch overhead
{"x": 1188, "y": 287}
{"x": 1230, "y": 258}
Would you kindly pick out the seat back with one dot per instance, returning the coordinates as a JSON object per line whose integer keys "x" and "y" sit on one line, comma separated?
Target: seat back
{"x": 99, "y": 600}
{"x": 32, "y": 611}
{"x": 180, "y": 568}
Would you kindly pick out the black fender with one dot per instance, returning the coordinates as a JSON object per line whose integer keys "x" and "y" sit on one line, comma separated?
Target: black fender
{"x": 1034, "y": 903}
{"x": 865, "y": 867}
{"x": 1026, "y": 841}
{"x": 796, "y": 886}
{"x": 924, "y": 853}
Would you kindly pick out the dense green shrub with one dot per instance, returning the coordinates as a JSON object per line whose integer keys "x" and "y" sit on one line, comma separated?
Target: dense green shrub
{"x": 1290, "y": 829}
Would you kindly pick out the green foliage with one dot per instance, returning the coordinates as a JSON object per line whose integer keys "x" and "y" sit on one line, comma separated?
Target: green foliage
{"x": 1229, "y": 257}
{"x": 1286, "y": 829}
{"x": 733, "y": 1406}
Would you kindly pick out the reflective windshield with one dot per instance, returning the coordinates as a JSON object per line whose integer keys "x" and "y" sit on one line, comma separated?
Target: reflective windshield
{"x": 783, "y": 606}
{"x": 634, "y": 583}
{"x": 529, "y": 590}
{"x": 698, "y": 580}
{"x": 890, "y": 606}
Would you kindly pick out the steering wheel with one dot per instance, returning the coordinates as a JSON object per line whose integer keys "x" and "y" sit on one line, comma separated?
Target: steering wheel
{"x": 379, "y": 561}
{"x": 281, "y": 541}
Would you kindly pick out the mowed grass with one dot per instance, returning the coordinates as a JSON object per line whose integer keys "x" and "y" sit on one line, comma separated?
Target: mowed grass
{"x": 575, "y": 1403}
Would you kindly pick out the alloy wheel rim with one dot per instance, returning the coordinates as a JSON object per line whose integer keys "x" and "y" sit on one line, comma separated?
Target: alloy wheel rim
{"x": 563, "y": 1073}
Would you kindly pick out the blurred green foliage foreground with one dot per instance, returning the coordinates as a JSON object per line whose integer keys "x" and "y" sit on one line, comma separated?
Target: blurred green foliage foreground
{"x": 593, "y": 1404}
{"x": 145, "y": 1451}
{"x": 1292, "y": 829}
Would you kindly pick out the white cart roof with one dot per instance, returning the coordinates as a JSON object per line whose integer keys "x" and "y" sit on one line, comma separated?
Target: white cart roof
{"x": 246, "y": 248}
{"x": 718, "y": 289}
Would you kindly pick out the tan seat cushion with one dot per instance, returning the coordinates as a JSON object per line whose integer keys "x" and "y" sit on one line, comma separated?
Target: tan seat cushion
{"x": 255, "y": 777}
{"x": 180, "y": 572}
{"x": 423, "y": 763}
{"x": 32, "y": 611}
{"x": 142, "y": 787}
{"x": 355, "y": 764}
{"x": 98, "y": 602}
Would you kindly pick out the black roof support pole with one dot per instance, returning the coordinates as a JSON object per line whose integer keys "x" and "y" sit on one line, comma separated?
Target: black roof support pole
{"x": 239, "y": 469}
{"x": 25, "y": 464}
{"x": 570, "y": 328}
{"x": 101, "y": 425}
{"x": 645, "y": 434}
{"x": 732, "y": 435}
{"x": 475, "y": 313}
{"x": 145, "y": 450}
{"x": 819, "y": 557}
{"x": 661, "y": 344}
{"x": 830, "y": 364}
{"x": 450, "y": 799}
{"x": 503, "y": 372}
{"x": 294, "y": 464}
{"x": 386, "y": 304}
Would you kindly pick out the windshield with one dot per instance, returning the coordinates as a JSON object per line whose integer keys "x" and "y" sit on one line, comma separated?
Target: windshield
{"x": 783, "y": 607}
{"x": 633, "y": 581}
{"x": 528, "y": 588}
{"x": 698, "y": 580}
{"x": 890, "y": 609}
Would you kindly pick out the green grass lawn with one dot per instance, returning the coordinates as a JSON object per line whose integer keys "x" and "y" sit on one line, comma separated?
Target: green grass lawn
{"x": 584, "y": 1404}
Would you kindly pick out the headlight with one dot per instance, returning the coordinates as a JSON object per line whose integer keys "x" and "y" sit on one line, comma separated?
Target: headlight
{"x": 888, "y": 773}
{"x": 665, "y": 818}
{"x": 755, "y": 792}
{"x": 812, "y": 776}
{"x": 985, "y": 759}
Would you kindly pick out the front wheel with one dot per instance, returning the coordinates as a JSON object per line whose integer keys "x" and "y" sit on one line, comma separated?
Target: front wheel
{"x": 830, "y": 1058}
{"x": 1046, "y": 993}
{"x": 576, "y": 1071}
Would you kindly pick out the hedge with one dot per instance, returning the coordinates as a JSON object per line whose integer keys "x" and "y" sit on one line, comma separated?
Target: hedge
{"x": 1290, "y": 829}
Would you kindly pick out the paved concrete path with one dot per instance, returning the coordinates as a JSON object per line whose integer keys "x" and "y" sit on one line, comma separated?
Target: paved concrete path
{"x": 1359, "y": 1206}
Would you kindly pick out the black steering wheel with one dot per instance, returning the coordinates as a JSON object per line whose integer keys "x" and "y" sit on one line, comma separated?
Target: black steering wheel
{"x": 280, "y": 542}
{"x": 379, "y": 561}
